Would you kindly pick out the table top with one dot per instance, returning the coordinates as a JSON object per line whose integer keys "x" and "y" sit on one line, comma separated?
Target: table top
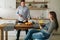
{"x": 18, "y": 26}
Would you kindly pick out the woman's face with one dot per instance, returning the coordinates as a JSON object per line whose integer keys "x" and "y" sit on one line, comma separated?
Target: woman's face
{"x": 50, "y": 16}
{"x": 22, "y": 3}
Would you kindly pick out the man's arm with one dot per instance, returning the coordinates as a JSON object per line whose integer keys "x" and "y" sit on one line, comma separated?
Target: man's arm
{"x": 20, "y": 15}
{"x": 17, "y": 12}
{"x": 28, "y": 14}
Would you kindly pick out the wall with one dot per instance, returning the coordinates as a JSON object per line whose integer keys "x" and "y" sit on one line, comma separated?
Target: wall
{"x": 55, "y": 5}
{"x": 7, "y": 8}
{"x": 9, "y": 12}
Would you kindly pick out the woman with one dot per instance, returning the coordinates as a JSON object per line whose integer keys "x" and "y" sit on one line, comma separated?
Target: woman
{"x": 44, "y": 33}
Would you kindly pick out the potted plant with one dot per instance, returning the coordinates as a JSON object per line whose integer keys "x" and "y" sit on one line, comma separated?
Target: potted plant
{"x": 30, "y": 6}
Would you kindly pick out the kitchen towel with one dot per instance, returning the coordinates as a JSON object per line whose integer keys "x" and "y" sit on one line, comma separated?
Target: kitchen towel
{"x": 36, "y": 26}
{"x": 9, "y": 27}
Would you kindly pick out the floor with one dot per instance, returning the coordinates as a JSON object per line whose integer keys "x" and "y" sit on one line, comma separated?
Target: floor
{"x": 13, "y": 37}
{"x": 54, "y": 37}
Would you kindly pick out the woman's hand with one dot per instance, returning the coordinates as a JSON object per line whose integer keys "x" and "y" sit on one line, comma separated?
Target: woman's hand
{"x": 40, "y": 27}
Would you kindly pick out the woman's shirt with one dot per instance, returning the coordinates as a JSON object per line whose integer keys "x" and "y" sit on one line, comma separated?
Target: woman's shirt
{"x": 50, "y": 27}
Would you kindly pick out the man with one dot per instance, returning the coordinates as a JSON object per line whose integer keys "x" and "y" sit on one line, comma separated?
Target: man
{"x": 23, "y": 14}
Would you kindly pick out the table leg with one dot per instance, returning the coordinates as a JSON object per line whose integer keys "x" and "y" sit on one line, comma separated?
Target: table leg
{"x": 6, "y": 35}
{"x": 2, "y": 35}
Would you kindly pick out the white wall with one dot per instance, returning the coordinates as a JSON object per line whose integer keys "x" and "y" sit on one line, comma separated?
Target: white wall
{"x": 55, "y": 5}
{"x": 7, "y": 8}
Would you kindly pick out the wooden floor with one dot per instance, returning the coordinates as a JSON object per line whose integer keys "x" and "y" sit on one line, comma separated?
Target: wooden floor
{"x": 0, "y": 35}
{"x": 54, "y": 37}
{"x": 12, "y": 37}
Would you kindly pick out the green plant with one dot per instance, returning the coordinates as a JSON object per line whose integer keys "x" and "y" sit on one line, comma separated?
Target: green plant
{"x": 30, "y": 4}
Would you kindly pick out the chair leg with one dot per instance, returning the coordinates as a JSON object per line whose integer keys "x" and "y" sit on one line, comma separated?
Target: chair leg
{"x": 6, "y": 35}
{"x": 2, "y": 35}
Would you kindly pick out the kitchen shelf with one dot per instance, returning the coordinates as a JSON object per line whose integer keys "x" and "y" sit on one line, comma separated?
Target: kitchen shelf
{"x": 38, "y": 8}
{"x": 34, "y": 8}
{"x": 39, "y": 19}
{"x": 38, "y": 2}
{"x": 34, "y": 2}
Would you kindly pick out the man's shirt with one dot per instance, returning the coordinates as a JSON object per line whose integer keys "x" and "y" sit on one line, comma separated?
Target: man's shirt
{"x": 24, "y": 11}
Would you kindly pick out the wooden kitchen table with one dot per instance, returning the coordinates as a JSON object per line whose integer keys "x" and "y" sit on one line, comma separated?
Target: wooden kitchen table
{"x": 17, "y": 26}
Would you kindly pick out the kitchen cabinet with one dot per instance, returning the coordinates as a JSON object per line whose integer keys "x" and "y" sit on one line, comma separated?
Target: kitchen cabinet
{"x": 8, "y": 4}
{"x": 2, "y": 3}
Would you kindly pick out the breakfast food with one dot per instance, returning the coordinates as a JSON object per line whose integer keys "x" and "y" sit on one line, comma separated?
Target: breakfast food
{"x": 28, "y": 23}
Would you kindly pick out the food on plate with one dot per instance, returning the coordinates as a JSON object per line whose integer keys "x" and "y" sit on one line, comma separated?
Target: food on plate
{"x": 28, "y": 23}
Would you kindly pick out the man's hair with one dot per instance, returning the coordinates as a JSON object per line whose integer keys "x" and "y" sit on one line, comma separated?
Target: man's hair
{"x": 22, "y": 0}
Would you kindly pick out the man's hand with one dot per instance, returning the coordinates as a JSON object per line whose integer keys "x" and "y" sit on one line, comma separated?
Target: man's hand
{"x": 20, "y": 15}
{"x": 27, "y": 19}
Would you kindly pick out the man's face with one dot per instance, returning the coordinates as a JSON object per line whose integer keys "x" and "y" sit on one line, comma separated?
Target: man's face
{"x": 23, "y": 4}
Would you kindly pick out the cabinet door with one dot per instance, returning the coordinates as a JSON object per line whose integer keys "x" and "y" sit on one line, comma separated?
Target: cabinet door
{"x": 10, "y": 3}
{"x": 2, "y": 4}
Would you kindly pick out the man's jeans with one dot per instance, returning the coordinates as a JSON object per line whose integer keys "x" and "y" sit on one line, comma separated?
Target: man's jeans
{"x": 18, "y": 34}
{"x": 18, "y": 31}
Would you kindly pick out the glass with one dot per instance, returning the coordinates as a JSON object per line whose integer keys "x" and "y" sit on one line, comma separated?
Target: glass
{"x": 41, "y": 21}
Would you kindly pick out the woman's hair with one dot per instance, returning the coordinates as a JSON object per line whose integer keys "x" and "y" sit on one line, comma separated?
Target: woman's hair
{"x": 54, "y": 18}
